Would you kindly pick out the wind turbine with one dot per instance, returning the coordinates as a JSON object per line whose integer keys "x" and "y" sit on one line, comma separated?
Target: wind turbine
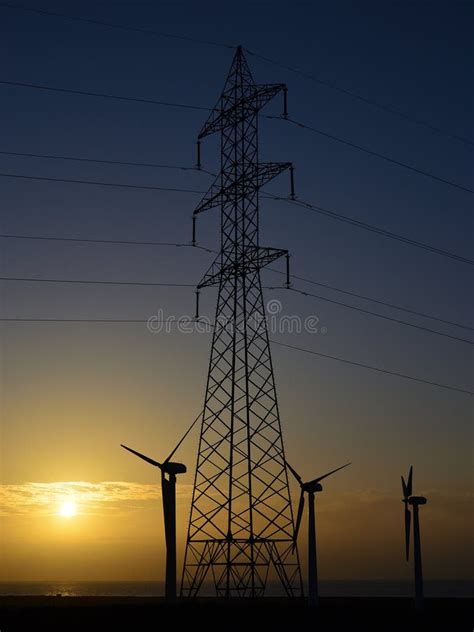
{"x": 415, "y": 502}
{"x": 168, "y": 493}
{"x": 310, "y": 488}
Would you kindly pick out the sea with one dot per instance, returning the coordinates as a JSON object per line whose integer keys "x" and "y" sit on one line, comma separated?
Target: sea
{"x": 339, "y": 588}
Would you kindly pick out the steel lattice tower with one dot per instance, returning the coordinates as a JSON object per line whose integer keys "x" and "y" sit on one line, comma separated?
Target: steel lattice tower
{"x": 241, "y": 521}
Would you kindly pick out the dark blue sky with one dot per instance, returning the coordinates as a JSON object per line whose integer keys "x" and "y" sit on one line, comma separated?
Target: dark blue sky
{"x": 413, "y": 56}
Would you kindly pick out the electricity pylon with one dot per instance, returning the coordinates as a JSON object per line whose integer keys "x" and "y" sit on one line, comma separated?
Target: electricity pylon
{"x": 241, "y": 521}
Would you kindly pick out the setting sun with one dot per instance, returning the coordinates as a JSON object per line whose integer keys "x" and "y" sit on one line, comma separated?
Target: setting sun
{"x": 68, "y": 509}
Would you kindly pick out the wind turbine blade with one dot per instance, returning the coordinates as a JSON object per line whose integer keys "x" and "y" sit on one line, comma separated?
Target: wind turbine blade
{"x": 410, "y": 482}
{"x": 168, "y": 458}
{"x": 295, "y": 473}
{"x": 407, "y": 531}
{"x": 298, "y": 519}
{"x": 404, "y": 488}
{"x": 320, "y": 478}
{"x": 142, "y": 456}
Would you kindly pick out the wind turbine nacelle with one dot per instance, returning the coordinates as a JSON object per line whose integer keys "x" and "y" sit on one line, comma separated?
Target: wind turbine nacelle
{"x": 174, "y": 468}
{"x": 312, "y": 487}
{"x": 417, "y": 500}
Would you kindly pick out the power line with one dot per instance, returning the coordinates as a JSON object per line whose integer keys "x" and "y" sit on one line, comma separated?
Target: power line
{"x": 370, "y": 227}
{"x": 103, "y": 95}
{"x": 301, "y": 203}
{"x": 126, "y": 242}
{"x": 106, "y": 162}
{"x": 313, "y": 207}
{"x": 209, "y": 250}
{"x": 373, "y": 300}
{"x": 373, "y": 368}
{"x": 293, "y": 121}
{"x": 375, "y": 314}
{"x": 152, "y": 321}
{"x": 281, "y": 344}
{"x": 197, "y": 107}
{"x": 113, "y": 25}
{"x": 374, "y": 153}
{"x": 99, "y": 183}
{"x": 74, "y": 320}
{"x": 307, "y": 205}
{"x": 359, "y": 97}
{"x": 94, "y": 282}
{"x": 162, "y": 284}
{"x": 298, "y": 71}
{"x": 171, "y": 320}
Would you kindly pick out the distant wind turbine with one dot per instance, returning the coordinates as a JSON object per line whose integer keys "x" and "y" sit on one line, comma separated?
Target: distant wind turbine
{"x": 310, "y": 488}
{"x": 415, "y": 502}
{"x": 168, "y": 492}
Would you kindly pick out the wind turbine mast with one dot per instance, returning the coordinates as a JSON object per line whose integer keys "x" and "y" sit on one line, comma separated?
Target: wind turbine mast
{"x": 310, "y": 488}
{"x": 313, "y": 591}
{"x": 169, "y": 470}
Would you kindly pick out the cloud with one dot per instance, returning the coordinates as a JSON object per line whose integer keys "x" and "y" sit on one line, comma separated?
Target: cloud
{"x": 91, "y": 498}
{"x": 121, "y": 497}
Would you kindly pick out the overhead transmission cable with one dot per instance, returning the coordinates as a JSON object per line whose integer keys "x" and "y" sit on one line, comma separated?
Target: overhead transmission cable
{"x": 275, "y": 342}
{"x": 99, "y": 183}
{"x": 102, "y": 95}
{"x": 86, "y": 159}
{"x": 164, "y": 284}
{"x": 372, "y": 300}
{"x": 307, "y": 205}
{"x": 371, "y": 313}
{"x": 114, "y": 25}
{"x": 316, "y": 208}
{"x": 291, "y": 120}
{"x": 372, "y": 367}
{"x": 328, "y": 84}
{"x": 95, "y": 282}
{"x": 351, "y": 93}
{"x": 123, "y": 242}
{"x": 371, "y": 152}
{"x": 211, "y": 251}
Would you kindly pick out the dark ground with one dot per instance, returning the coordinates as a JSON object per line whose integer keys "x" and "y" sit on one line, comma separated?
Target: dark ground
{"x": 135, "y": 613}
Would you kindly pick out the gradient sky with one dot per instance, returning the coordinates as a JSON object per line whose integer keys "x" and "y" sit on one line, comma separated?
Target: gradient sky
{"x": 71, "y": 393}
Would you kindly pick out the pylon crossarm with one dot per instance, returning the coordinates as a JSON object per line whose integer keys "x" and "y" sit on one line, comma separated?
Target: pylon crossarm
{"x": 225, "y": 115}
{"x": 250, "y": 260}
{"x": 254, "y": 178}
